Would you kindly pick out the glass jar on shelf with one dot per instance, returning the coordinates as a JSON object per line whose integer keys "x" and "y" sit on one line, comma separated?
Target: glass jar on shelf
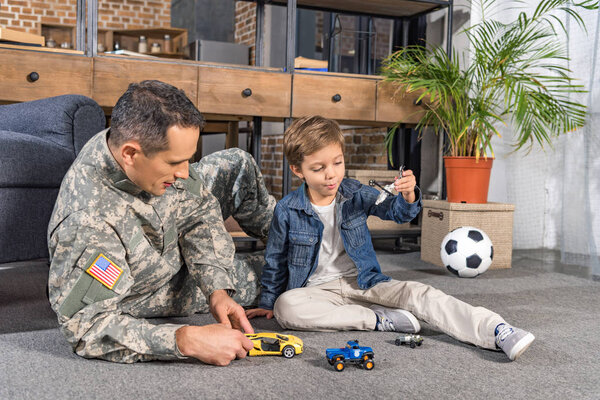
{"x": 143, "y": 45}
{"x": 168, "y": 48}
{"x": 155, "y": 48}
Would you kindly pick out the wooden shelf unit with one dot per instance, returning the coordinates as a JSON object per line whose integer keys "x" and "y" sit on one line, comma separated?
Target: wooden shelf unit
{"x": 217, "y": 90}
{"x": 59, "y": 33}
{"x": 380, "y": 8}
{"x": 128, "y": 39}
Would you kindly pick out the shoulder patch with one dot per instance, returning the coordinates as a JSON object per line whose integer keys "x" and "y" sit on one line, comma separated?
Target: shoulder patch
{"x": 105, "y": 271}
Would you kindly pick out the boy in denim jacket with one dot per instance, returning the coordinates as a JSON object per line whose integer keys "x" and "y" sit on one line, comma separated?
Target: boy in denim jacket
{"x": 321, "y": 272}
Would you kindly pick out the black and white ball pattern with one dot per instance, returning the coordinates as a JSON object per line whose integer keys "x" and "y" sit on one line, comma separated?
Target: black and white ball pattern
{"x": 467, "y": 252}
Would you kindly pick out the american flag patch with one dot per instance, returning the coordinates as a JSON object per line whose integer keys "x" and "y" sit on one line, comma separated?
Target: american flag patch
{"x": 105, "y": 271}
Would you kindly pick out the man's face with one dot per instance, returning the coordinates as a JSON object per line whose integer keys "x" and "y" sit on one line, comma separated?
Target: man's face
{"x": 323, "y": 172}
{"x": 156, "y": 173}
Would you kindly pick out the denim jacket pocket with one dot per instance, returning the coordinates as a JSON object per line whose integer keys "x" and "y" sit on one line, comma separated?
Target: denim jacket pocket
{"x": 355, "y": 229}
{"x": 302, "y": 246}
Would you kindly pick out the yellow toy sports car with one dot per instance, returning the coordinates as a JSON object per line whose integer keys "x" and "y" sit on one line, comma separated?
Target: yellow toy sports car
{"x": 271, "y": 343}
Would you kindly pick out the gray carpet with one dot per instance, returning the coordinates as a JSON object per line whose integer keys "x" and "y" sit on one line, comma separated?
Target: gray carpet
{"x": 562, "y": 310}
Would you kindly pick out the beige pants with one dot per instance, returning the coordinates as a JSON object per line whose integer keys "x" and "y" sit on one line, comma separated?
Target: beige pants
{"x": 342, "y": 305}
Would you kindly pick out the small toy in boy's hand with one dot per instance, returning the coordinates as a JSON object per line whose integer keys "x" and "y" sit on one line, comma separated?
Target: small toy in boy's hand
{"x": 387, "y": 189}
{"x": 361, "y": 355}
{"x": 410, "y": 339}
{"x": 275, "y": 344}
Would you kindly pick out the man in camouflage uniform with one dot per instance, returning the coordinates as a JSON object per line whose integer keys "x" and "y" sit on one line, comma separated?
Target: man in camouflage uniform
{"x": 137, "y": 233}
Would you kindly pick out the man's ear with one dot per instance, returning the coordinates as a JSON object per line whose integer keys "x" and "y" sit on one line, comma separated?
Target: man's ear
{"x": 297, "y": 171}
{"x": 130, "y": 150}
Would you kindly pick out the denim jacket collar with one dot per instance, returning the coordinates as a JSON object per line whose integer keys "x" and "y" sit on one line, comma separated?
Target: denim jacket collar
{"x": 300, "y": 200}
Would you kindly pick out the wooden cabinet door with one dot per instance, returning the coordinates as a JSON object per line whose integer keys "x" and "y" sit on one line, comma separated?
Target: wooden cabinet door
{"x": 394, "y": 107}
{"x": 112, "y": 76}
{"x": 56, "y": 74}
{"x": 244, "y": 92}
{"x": 340, "y": 98}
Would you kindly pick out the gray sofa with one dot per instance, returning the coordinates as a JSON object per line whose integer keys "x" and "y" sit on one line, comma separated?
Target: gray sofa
{"x": 39, "y": 140}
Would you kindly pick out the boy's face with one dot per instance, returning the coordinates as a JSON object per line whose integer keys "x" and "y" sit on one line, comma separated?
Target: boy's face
{"x": 323, "y": 172}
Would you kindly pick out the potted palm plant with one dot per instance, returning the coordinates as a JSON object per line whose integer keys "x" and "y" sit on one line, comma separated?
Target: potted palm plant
{"x": 516, "y": 75}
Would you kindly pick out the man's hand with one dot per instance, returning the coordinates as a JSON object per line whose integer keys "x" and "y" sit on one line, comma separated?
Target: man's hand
{"x": 259, "y": 312}
{"x": 405, "y": 184}
{"x": 214, "y": 344}
{"x": 228, "y": 312}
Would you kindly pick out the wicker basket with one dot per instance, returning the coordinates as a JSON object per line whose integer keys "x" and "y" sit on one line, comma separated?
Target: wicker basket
{"x": 382, "y": 177}
{"x": 440, "y": 217}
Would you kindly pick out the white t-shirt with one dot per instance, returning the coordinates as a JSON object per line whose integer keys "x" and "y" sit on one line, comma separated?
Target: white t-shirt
{"x": 334, "y": 262}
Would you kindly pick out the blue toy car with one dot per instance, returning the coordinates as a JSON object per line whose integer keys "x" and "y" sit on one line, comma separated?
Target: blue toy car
{"x": 353, "y": 353}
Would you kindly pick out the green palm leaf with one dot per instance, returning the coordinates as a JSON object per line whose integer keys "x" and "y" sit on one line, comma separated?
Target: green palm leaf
{"x": 518, "y": 74}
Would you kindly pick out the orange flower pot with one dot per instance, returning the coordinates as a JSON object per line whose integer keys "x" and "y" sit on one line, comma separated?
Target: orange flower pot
{"x": 467, "y": 180}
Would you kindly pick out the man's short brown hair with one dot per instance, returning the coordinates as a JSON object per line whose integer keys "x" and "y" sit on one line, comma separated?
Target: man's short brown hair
{"x": 146, "y": 111}
{"x": 307, "y": 135}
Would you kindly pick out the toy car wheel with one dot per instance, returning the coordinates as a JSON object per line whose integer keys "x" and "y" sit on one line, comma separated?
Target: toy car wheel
{"x": 412, "y": 344}
{"x": 398, "y": 342}
{"x": 330, "y": 361}
{"x": 288, "y": 352}
{"x": 339, "y": 366}
{"x": 368, "y": 364}
{"x": 420, "y": 343}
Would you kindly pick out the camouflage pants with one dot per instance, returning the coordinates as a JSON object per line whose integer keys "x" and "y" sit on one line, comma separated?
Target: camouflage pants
{"x": 235, "y": 180}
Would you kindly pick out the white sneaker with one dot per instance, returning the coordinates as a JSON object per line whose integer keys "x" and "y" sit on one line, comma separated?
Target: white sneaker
{"x": 395, "y": 320}
{"x": 513, "y": 341}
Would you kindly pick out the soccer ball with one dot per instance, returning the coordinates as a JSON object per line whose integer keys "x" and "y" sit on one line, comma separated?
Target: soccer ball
{"x": 467, "y": 252}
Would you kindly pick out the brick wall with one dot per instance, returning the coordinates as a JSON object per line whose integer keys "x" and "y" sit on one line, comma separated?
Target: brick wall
{"x": 271, "y": 163}
{"x": 28, "y": 15}
{"x": 245, "y": 25}
{"x": 134, "y": 14}
{"x": 364, "y": 149}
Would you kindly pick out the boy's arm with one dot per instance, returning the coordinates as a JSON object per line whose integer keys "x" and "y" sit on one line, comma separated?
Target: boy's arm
{"x": 274, "y": 276}
{"x": 393, "y": 208}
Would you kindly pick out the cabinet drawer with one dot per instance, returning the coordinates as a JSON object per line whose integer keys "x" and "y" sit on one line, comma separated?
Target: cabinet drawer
{"x": 346, "y": 99}
{"x": 244, "y": 92}
{"x": 113, "y": 76}
{"x": 398, "y": 109}
{"x": 57, "y": 74}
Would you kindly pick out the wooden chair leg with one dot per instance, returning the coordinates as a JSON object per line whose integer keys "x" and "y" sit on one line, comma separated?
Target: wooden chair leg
{"x": 232, "y": 136}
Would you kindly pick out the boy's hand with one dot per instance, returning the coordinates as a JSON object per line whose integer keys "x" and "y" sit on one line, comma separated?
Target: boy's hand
{"x": 228, "y": 312}
{"x": 259, "y": 312}
{"x": 405, "y": 184}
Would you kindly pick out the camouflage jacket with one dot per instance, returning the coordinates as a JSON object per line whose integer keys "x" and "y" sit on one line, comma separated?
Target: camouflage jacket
{"x": 156, "y": 242}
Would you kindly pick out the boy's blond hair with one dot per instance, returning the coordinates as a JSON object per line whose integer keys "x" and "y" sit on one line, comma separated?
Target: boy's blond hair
{"x": 307, "y": 135}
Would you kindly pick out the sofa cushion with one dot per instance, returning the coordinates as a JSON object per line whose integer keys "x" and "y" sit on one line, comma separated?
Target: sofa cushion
{"x": 29, "y": 161}
{"x": 55, "y": 119}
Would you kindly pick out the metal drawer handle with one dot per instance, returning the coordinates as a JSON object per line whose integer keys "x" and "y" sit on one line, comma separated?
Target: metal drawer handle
{"x": 247, "y": 92}
{"x": 439, "y": 215}
{"x": 33, "y": 76}
{"x": 336, "y": 97}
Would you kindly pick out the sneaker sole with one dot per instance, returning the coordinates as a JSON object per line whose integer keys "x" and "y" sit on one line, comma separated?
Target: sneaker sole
{"x": 521, "y": 346}
{"x": 413, "y": 320}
